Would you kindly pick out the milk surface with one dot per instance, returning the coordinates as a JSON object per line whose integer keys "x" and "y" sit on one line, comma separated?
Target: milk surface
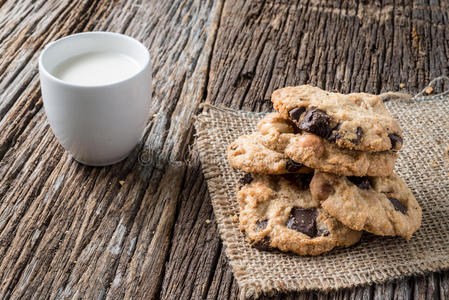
{"x": 96, "y": 68}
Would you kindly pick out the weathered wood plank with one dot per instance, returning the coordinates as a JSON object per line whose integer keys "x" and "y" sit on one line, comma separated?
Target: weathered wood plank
{"x": 194, "y": 221}
{"x": 426, "y": 287}
{"x": 68, "y": 230}
{"x": 348, "y": 47}
{"x": 403, "y": 289}
{"x": 223, "y": 283}
{"x": 444, "y": 285}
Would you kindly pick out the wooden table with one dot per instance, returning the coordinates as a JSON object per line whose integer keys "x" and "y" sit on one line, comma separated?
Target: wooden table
{"x": 147, "y": 230}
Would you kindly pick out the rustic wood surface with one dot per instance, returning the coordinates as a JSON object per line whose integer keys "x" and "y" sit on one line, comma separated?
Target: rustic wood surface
{"x": 72, "y": 231}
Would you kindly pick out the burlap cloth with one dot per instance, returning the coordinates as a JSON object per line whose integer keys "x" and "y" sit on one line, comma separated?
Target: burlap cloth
{"x": 424, "y": 165}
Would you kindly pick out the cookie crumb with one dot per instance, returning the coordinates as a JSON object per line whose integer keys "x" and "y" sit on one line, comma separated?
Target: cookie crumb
{"x": 429, "y": 90}
{"x": 122, "y": 182}
{"x": 208, "y": 221}
{"x": 401, "y": 85}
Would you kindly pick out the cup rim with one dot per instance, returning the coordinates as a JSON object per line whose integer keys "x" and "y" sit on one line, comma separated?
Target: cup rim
{"x": 144, "y": 66}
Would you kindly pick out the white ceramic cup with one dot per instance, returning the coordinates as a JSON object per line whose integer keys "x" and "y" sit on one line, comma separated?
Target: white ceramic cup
{"x": 98, "y": 125}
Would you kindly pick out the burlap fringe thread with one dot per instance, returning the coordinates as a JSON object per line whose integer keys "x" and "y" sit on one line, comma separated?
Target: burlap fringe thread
{"x": 423, "y": 163}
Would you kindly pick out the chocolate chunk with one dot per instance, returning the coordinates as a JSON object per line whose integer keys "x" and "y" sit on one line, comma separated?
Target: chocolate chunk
{"x": 359, "y": 132}
{"x": 398, "y": 205}
{"x": 396, "y": 140}
{"x": 361, "y": 182}
{"x": 263, "y": 245}
{"x": 261, "y": 224}
{"x": 335, "y": 135}
{"x": 293, "y": 166}
{"x": 296, "y": 113}
{"x": 296, "y": 129}
{"x": 246, "y": 179}
{"x": 303, "y": 220}
{"x": 317, "y": 122}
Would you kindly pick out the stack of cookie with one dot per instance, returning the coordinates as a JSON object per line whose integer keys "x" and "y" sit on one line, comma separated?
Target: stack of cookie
{"x": 320, "y": 171}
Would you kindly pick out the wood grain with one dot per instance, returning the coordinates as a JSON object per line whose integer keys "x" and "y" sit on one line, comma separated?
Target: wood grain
{"x": 71, "y": 231}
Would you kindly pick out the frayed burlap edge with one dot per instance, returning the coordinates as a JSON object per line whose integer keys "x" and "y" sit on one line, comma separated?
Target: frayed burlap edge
{"x": 374, "y": 259}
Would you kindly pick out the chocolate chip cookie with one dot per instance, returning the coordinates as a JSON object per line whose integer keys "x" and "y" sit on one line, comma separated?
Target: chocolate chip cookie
{"x": 278, "y": 211}
{"x": 357, "y": 121}
{"x": 282, "y": 135}
{"x": 380, "y": 205}
{"x": 250, "y": 155}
